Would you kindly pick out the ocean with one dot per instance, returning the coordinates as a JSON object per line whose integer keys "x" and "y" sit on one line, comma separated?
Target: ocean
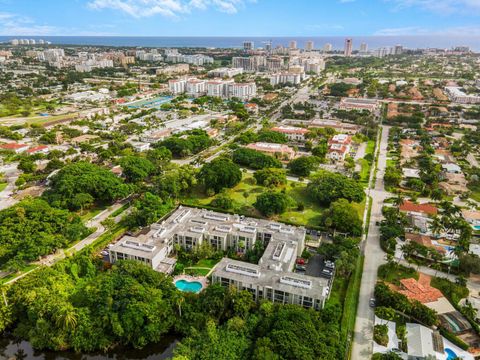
{"x": 410, "y": 42}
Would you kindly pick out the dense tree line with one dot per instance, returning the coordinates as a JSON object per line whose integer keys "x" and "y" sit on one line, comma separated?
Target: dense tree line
{"x": 327, "y": 187}
{"x": 33, "y": 228}
{"x": 187, "y": 143}
{"x": 254, "y": 159}
{"x": 80, "y": 184}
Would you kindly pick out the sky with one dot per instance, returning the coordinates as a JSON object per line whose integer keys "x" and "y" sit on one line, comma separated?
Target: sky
{"x": 239, "y": 17}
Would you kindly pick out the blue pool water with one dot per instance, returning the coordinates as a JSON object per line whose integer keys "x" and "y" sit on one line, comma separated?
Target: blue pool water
{"x": 477, "y": 227}
{"x": 450, "y": 354}
{"x": 188, "y": 286}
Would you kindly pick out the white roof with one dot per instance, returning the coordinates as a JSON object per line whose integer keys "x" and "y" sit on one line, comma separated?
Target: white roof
{"x": 419, "y": 340}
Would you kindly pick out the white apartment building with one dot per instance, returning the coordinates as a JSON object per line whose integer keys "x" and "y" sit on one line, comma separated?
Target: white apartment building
{"x": 456, "y": 94}
{"x": 195, "y": 87}
{"x": 285, "y": 78}
{"x": 272, "y": 278}
{"x": 242, "y": 91}
{"x": 177, "y": 86}
{"x": 225, "y": 72}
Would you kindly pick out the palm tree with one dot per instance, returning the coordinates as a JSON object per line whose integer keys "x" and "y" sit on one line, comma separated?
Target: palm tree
{"x": 469, "y": 311}
{"x": 66, "y": 316}
{"x": 436, "y": 225}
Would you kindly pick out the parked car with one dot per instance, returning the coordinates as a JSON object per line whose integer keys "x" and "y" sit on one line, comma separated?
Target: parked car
{"x": 372, "y": 302}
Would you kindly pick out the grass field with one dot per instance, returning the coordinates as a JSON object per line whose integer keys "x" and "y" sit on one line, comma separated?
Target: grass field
{"x": 3, "y": 186}
{"x": 244, "y": 196}
{"x": 393, "y": 274}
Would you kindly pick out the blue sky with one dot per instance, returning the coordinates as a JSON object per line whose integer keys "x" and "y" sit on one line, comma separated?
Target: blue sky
{"x": 239, "y": 17}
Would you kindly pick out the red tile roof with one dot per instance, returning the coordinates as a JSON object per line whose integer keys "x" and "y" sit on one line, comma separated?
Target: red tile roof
{"x": 420, "y": 290}
{"x": 409, "y": 206}
{"x": 37, "y": 148}
{"x": 12, "y": 146}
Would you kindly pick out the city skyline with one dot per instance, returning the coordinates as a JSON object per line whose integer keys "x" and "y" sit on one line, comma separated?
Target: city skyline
{"x": 239, "y": 18}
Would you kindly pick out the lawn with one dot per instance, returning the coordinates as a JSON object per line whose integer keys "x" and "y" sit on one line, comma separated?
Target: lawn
{"x": 245, "y": 194}
{"x": 394, "y": 273}
{"x": 201, "y": 268}
{"x": 91, "y": 213}
{"x": 24, "y": 270}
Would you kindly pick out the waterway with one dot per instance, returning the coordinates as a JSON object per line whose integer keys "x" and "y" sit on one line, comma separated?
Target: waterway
{"x": 22, "y": 350}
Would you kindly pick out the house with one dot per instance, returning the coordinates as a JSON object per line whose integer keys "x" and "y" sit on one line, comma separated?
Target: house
{"x": 339, "y": 147}
{"x": 252, "y": 108}
{"x": 156, "y": 136}
{"x": 419, "y": 290}
{"x": 14, "y": 147}
{"x": 472, "y": 217}
{"x": 451, "y": 168}
{"x": 410, "y": 207}
{"x": 409, "y": 149}
{"x": 411, "y": 173}
{"x": 426, "y": 241}
{"x": 280, "y": 151}
{"x": 454, "y": 183}
{"x": 40, "y": 149}
{"x": 292, "y": 133}
{"x": 140, "y": 146}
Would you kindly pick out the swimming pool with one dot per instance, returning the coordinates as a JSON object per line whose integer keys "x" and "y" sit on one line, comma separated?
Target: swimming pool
{"x": 450, "y": 354}
{"x": 476, "y": 227}
{"x": 188, "y": 286}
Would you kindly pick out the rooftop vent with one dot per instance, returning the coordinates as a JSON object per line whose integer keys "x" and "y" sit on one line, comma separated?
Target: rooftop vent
{"x": 301, "y": 283}
{"x": 243, "y": 270}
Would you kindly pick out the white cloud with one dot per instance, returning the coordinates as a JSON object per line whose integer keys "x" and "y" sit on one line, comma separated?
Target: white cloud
{"x": 417, "y": 30}
{"x": 13, "y": 24}
{"x": 440, "y": 6}
{"x": 167, "y": 8}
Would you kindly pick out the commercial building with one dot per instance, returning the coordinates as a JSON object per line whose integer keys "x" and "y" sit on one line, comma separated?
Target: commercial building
{"x": 358, "y": 104}
{"x": 282, "y": 152}
{"x": 456, "y": 94}
{"x": 347, "y": 51}
{"x": 291, "y": 132}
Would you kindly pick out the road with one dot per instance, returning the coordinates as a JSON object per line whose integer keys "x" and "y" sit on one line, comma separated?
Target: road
{"x": 374, "y": 257}
{"x": 11, "y": 174}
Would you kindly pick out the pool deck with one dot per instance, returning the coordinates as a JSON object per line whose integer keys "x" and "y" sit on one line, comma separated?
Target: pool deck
{"x": 201, "y": 279}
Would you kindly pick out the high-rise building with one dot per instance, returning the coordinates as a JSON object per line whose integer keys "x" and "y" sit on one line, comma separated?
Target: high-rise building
{"x": 292, "y": 45}
{"x": 363, "y": 48}
{"x": 348, "y": 47}
{"x": 327, "y": 47}
{"x": 398, "y": 50}
{"x": 309, "y": 45}
{"x": 268, "y": 46}
{"x": 248, "y": 45}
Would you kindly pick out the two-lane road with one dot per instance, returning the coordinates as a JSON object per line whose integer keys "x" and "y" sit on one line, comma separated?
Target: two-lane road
{"x": 374, "y": 257}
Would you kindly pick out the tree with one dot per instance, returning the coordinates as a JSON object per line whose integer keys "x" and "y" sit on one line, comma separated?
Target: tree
{"x": 270, "y": 203}
{"x": 270, "y": 177}
{"x": 254, "y": 159}
{"x": 148, "y": 209}
{"x": 222, "y": 201}
{"x": 100, "y": 183}
{"x": 136, "y": 168}
{"x": 220, "y": 173}
{"x": 27, "y": 165}
{"x": 175, "y": 181}
{"x": 303, "y": 165}
{"x": 327, "y": 187}
{"x": 393, "y": 176}
{"x": 342, "y": 216}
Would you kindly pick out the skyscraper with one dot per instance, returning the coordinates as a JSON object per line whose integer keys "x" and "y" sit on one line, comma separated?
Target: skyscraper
{"x": 248, "y": 45}
{"x": 398, "y": 50}
{"x": 348, "y": 47}
{"x": 309, "y": 45}
{"x": 363, "y": 48}
{"x": 293, "y": 45}
{"x": 327, "y": 47}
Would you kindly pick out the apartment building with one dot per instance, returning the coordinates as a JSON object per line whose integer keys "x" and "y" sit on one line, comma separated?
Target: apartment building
{"x": 225, "y": 72}
{"x": 195, "y": 87}
{"x": 285, "y": 78}
{"x": 174, "y": 69}
{"x": 250, "y": 63}
{"x": 177, "y": 86}
{"x": 242, "y": 91}
{"x": 456, "y": 94}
